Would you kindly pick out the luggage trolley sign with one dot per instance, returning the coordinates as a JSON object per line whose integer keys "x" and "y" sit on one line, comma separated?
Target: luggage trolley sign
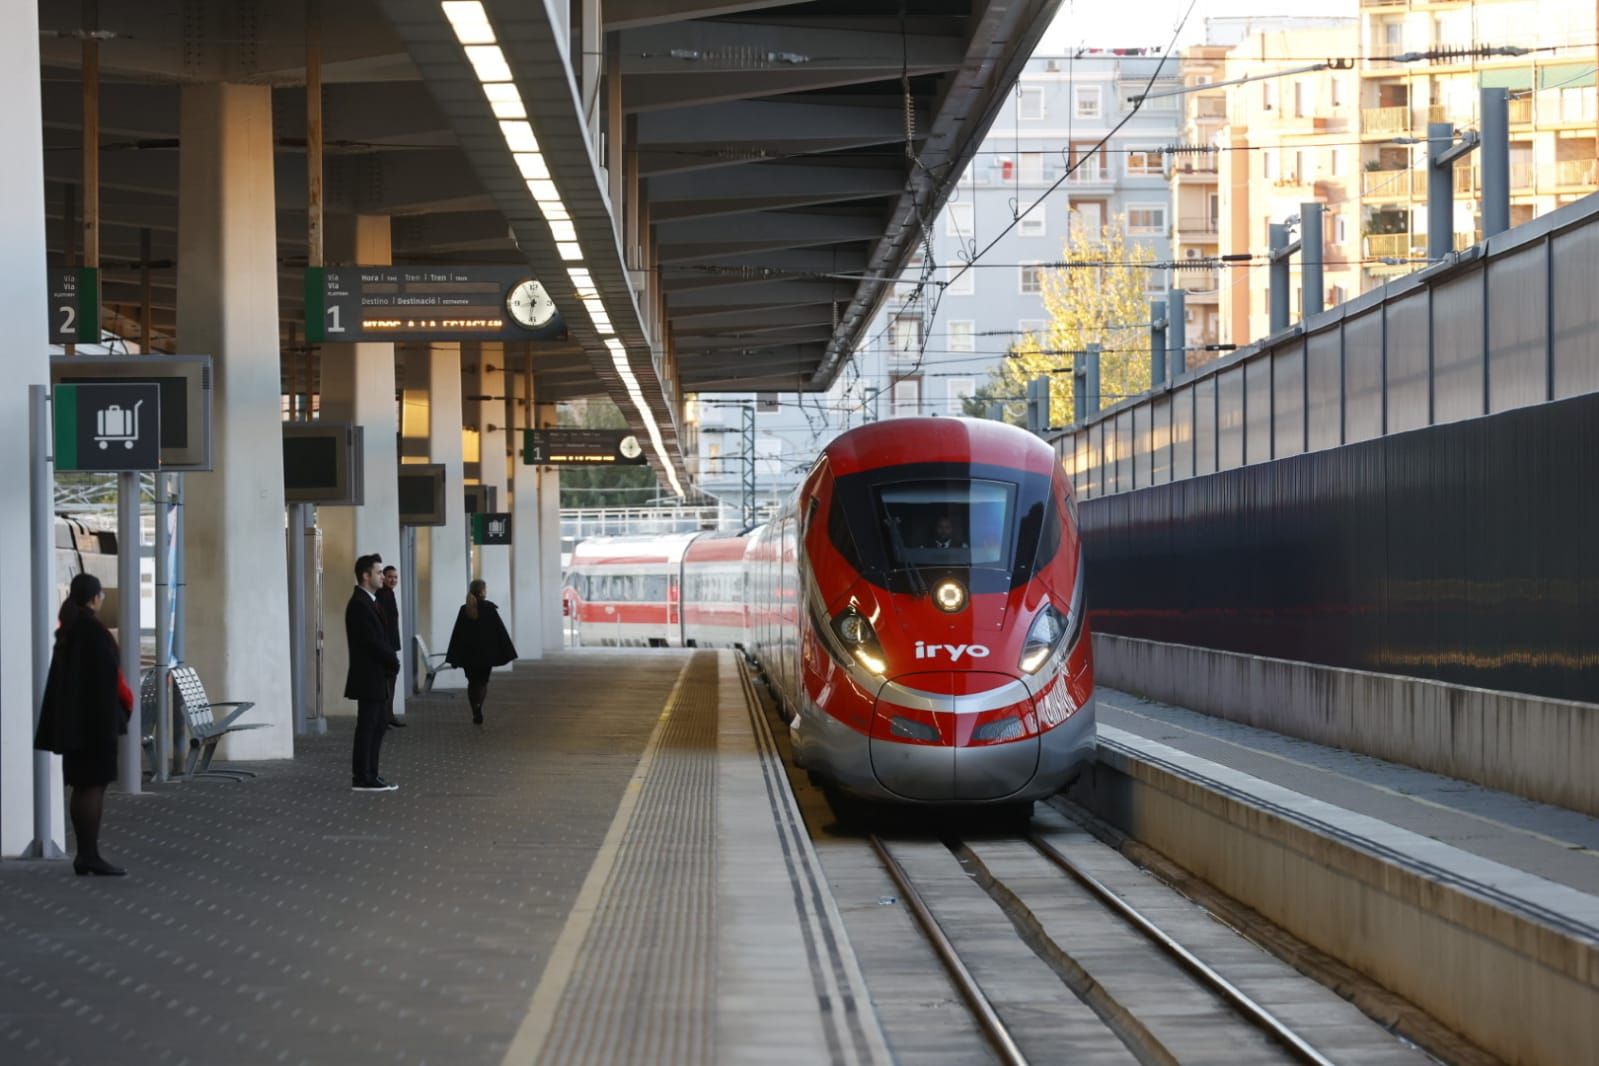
{"x": 108, "y": 426}
{"x": 428, "y": 303}
{"x": 490, "y": 528}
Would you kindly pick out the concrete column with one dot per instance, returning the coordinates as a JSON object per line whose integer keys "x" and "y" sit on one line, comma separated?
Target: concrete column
{"x": 494, "y": 562}
{"x": 527, "y": 578}
{"x": 442, "y": 579}
{"x": 549, "y": 482}
{"x": 358, "y": 387}
{"x": 22, "y": 308}
{"x": 237, "y": 615}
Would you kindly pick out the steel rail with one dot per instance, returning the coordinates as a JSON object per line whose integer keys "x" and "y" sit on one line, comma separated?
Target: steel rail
{"x": 1231, "y": 993}
{"x": 987, "y": 1017}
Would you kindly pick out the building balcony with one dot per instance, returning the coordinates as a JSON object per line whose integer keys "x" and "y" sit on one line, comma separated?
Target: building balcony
{"x": 1569, "y": 172}
{"x": 1521, "y": 110}
{"x": 1396, "y": 246}
{"x": 1523, "y": 176}
{"x": 1089, "y": 174}
{"x": 1198, "y": 226}
{"x": 1392, "y": 184}
{"x": 1385, "y": 119}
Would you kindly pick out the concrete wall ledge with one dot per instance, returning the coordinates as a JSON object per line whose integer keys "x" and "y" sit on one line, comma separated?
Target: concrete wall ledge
{"x": 1507, "y": 959}
{"x": 1542, "y": 749}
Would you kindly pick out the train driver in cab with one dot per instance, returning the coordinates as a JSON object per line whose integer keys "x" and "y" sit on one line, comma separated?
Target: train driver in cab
{"x": 944, "y": 534}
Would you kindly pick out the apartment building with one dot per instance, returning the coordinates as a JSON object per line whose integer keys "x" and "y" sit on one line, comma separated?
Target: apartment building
{"x": 1291, "y": 138}
{"x": 1196, "y": 191}
{"x": 926, "y": 353}
{"x": 1552, "y": 111}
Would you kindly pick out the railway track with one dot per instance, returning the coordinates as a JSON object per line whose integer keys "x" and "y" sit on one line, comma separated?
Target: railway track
{"x": 1147, "y": 1042}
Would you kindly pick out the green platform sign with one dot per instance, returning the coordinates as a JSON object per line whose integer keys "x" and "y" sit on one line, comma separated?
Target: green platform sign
{"x": 74, "y": 305}
{"x": 108, "y": 426}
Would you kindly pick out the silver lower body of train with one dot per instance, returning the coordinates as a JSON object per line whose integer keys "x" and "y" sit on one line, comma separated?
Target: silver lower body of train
{"x": 895, "y": 772}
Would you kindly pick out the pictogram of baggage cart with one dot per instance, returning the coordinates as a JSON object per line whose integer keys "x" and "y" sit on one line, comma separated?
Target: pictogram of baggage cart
{"x": 116, "y": 424}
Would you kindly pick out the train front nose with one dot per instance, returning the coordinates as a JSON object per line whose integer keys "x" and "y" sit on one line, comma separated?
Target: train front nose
{"x": 945, "y": 736}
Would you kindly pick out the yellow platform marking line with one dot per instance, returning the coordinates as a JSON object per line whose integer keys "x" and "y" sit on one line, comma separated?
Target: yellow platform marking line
{"x": 1563, "y": 845}
{"x": 539, "y": 1020}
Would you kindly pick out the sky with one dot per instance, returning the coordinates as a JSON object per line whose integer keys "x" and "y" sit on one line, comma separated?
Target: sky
{"x": 1149, "y": 23}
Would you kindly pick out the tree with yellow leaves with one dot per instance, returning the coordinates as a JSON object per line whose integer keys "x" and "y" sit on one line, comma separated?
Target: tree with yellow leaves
{"x": 1097, "y": 296}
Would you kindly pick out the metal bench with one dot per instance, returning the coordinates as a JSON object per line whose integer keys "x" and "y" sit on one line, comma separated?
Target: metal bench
{"x": 205, "y": 727}
{"x": 427, "y": 665}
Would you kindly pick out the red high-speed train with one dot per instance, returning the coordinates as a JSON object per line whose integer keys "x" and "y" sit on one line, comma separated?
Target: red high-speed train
{"x": 917, "y": 608}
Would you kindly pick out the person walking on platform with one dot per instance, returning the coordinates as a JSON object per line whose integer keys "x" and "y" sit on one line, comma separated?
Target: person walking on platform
{"x": 389, "y": 608}
{"x": 370, "y": 676}
{"x": 478, "y": 644}
{"x": 86, "y": 707}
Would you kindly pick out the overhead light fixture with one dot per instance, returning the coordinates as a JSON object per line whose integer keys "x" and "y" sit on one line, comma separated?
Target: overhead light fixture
{"x": 532, "y": 165}
{"x": 504, "y": 99}
{"x": 518, "y": 136}
{"x": 561, "y": 230}
{"x": 570, "y": 250}
{"x": 602, "y": 322}
{"x": 488, "y": 62}
{"x": 543, "y": 189}
{"x": 593, "y": 304}
{"x": 469, "y": 21}
{"x": 553, "y": 209}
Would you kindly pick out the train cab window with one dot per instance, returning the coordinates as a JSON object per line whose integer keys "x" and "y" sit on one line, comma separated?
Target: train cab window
{"x": 953, "y": 523}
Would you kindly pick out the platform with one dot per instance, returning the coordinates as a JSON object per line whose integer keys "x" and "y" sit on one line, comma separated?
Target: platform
{"x": 606, "y": 871}
{"x": 1480, "y": 907}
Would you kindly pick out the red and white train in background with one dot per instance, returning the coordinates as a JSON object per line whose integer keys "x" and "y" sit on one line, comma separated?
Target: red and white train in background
{"x": 917, "y": 608}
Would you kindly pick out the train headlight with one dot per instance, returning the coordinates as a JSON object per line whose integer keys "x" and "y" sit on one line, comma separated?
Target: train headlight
{"x": 949, "y": 595}
{"x": 1043, "y": 638}
{"x": 857, "y": 634}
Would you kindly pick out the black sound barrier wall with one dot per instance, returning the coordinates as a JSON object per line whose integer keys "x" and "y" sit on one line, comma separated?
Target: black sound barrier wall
{"x": 1467, "y": 553}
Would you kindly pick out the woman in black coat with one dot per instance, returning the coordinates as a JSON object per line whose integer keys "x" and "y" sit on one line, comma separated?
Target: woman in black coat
{"x": 478, "y": 644}
{"x": 86, "y": 707}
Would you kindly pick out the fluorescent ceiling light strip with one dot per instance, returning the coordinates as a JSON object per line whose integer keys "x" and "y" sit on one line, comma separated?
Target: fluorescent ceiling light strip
{"x": 593, "y": 304}
{"x": 500, "y": 92}
{"x": 554, "y": 209}
{"x": 602, "y": 323}
{"x": 488, "y": 62}
{"x": 562, "y": 230}
{"x": 508, "y": 108}
{"x": 518, "y": 136}
{"x": 543, "y": 189}
{"x": 469, "y": 21}
{"x": 570, "y": 250}
{"x": 532, "y": 166}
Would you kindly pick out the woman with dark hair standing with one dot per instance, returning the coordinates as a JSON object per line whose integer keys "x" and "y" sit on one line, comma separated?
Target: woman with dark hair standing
{"x": 478, "y": 644}
{"x": 86, "y": 707}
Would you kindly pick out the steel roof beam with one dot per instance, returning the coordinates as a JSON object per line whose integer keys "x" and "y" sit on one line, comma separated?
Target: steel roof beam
{"x": 631, "y": 14}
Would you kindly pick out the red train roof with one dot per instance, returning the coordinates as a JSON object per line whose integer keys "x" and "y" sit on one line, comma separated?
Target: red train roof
{"x": 938, "y": 440}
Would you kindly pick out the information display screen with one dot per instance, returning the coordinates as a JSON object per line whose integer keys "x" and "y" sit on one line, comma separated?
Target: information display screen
{"x": 581, "y": 447}
{"x": 185, "y": 385}
{"x": 427, "y": 303}
{"x": 421, "y": 494}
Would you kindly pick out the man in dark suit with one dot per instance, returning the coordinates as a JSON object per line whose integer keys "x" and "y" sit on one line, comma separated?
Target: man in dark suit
{"x": 372, "y": 665}
{"x": 389, "y": 609}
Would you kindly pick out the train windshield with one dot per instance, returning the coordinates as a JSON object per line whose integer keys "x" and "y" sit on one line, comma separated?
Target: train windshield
{"x": 947, "y": 523}
{"x": 903, "y": 527}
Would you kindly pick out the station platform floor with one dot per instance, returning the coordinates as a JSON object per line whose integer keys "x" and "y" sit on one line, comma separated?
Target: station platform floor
{"x": 1536, "y": 840}
{"x": 606, "y": 871}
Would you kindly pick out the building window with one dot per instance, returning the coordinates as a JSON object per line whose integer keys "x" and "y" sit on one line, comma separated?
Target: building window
{"x": 1300, "y": 99}
{"x": 1268, "y": 165}
{"x": 1090, "y": 101}
{"x": 1032, "y": 167}
{"x": 961, "y": 335}
{"x": 1340, "y": 229}
{"x": 1145, "y": 162}
{"x": 1088, "y": 218}
{"x": 1268, "y": 94}
{"x": 1030, "y": 103}
{"x": 1146, "y": 219}
{"x": 1032, "y": 225}
{"x": 1335, "y": 163}
{"x": 958, "y": 391}
{"x": 713, "y": 461}
{"x": 958, "y": 282}
{"x": 1336, "y": 85}
{"x": 906, "y": 398}
{"x": 907, "y": 336}
{"x": 1032, "y": 278}
{"x": 958, "y": 220}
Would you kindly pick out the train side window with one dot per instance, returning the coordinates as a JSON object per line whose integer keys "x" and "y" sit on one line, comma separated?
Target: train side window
{"x": 655, "y": 588}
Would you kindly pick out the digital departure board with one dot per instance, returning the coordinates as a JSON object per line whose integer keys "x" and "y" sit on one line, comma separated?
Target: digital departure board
{"x": 428, "y": 303}
{"x": 581, "y": 447}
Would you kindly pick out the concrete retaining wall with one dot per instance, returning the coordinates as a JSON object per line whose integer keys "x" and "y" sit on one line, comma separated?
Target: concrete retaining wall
{"x": 1542, "y": 749}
